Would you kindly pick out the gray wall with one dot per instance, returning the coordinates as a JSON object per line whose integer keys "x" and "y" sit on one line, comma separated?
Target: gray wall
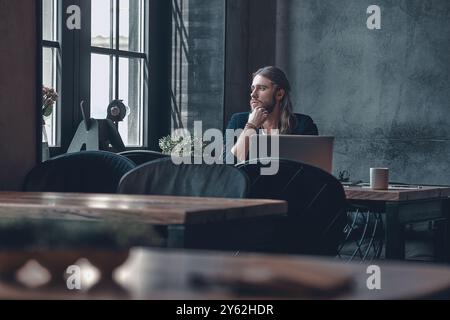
{"x": 250, "y": 45}
{"x": 384, "y": 94}
{"x": 18, "y": 143}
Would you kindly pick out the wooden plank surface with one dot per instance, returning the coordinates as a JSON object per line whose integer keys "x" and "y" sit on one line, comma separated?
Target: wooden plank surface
{"x": 161, "y": 210}
{"x": 396, "y": 194}
{"x": 158, "y": 274}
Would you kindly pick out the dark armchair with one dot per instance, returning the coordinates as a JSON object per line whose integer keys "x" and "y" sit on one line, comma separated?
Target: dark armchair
{"x": 317, "y": 206}
{"x": 163, "y": 177}
{"x": 84, "y": 172}
{"x": 143, "y": 156}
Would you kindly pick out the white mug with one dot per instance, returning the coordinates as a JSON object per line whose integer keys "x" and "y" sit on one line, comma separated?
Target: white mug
{"x": 379, "y": 178}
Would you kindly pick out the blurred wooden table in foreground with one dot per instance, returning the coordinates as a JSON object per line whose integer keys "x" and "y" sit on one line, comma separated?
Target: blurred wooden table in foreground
{"x": 159, "y": 275}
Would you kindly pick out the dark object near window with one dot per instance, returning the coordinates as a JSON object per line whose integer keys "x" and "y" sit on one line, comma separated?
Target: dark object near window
{"x": 94, "y": 134}
{"x": 117, "y": 111}
{"x": 85, "y": 172}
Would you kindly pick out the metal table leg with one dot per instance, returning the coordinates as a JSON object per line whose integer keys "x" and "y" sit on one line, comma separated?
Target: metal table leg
{"x": 395, "y": 239}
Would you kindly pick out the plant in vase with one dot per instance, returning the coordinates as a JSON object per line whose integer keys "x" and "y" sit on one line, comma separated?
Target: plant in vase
{"x": 49, "y": 97}
{"x": 181, "y": 145}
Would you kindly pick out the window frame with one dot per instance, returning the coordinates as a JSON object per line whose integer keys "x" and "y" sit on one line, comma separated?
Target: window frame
{"x": 74, "y": 67}
{"x": 76, "y": 50}
{"x": 55, "y": 45}
{"x": 117, "y": 53}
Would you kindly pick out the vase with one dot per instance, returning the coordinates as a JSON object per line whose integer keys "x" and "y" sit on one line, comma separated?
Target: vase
{"x": 45, "y": 148}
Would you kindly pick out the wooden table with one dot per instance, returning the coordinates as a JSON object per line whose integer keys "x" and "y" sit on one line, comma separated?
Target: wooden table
{"x": 158, "y": 275}
{"x": 403, "y": 205}
{"x": 188, "y": 222}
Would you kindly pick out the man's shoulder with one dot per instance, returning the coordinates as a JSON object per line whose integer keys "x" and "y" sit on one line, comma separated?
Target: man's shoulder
{"x": 241, "y": 116}
{"x": 240, "y": 119}
{"x": 305, "y": 125}
{"x": 303, "y": 117}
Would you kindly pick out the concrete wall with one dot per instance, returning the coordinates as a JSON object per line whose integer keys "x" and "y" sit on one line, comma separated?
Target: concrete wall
{"x": 384, "y": 94}
{"x": 18, "y": 143}
{"x": 250, "y": 45}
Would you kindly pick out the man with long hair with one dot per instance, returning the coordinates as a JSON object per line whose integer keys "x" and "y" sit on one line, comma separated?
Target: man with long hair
{"x": 271, "y": 109}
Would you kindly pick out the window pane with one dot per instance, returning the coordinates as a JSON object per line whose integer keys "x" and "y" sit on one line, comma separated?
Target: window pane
{"x": 101, "y": 23}
{"x": 102, "y": 88}
{"x": 48, "y": 20}
{"x": 131, "y": 80}
{"x": 49, "y": 80}
{"x": 131, "y": 25}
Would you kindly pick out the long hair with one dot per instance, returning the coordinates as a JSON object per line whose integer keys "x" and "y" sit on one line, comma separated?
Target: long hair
{"x": 288, "y": 121}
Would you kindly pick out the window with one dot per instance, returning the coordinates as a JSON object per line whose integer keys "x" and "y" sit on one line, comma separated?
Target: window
{"x": 118, "y": 62}
{"x": 106, "y": 60}
{"x": 50, "y": 61}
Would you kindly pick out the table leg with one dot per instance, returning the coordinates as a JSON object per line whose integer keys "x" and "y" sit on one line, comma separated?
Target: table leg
{"x": 446, "y": 214}
{"x": 395, "y": 239}
{"x": 440, "y": 240}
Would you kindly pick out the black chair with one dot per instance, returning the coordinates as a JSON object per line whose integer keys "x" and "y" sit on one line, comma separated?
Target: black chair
{"x": 316, "y": 206}
{"x": 163, "y": 177}
{"x": 84, "y": 172}
{"x": 140, "y": 157}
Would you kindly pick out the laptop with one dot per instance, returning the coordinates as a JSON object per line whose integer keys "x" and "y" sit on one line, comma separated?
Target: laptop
{"x": 316, "y": 151}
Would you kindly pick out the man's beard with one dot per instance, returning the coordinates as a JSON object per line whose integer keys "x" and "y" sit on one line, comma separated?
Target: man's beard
{"x": 270, "y": 107}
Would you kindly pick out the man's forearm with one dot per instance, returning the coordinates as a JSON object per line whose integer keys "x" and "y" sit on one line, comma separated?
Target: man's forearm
{"x": 241, "y": 148}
